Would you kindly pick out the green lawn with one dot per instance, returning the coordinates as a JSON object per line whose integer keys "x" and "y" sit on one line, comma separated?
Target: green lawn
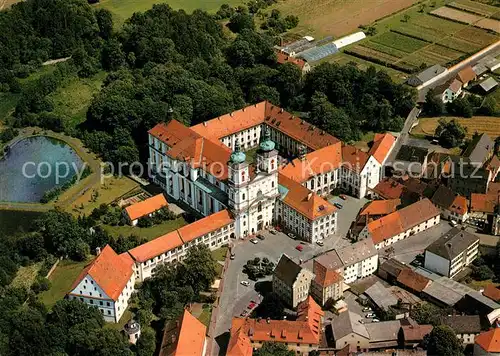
{"x": 220, "y": 253}
{"x": 127, "y": 315}
{"x": 399, "y": 42}
{"x": 123, "y": 9}
{"x": 205, "y": 315}
{"x": 149, "y": 233}
{"x": 62, "y": 279}
{"x": 72, "y": 99}
{"x": 26, "y": 275}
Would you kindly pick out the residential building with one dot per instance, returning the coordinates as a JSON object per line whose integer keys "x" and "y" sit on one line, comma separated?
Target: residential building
{"x": 479, "y": 150}
{"x": 413, "y": 334}
{"x": 372, "y": 210}
{"x": 488, "y": 343}
{"x": 449, "y": 91}
{"x": 291, "y": 282}
{"x": 452, "y": 252}
{"x": 185, "y": 336}
{"x": 401, "y": 224}
{"x": 213, "y": 231}
{"x": 492, "y": 292}
{"x": 381, "y": 298}
{"x": 327, "y": 285}
{"x": 144, "y": 208}
{"x": 466, "y": 178}
{"x": 387, "y": 188}
{"x": 359, "y": 260}
{"x": 360, "y": 171}
{"x": 382, "y": 147}
{"x": 303, "y": 212}
{"x": 283, "y": 58}
{"x": 466, "y": 327}
{"x": 410, "y": 160}
{"x": 426, "y": 75}
{"x": 346, "y": 330}
{"x": 106, "y": 283}
{"x": 466, "y": 75}
{"x": 453, "y": 206}
{"x": 485, "y": 210}
{"x": 301, "y": 336}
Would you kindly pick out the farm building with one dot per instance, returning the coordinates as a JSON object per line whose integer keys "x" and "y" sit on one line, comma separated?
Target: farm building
{"x": 319, "y": 52}
{"x": 299, "y": 62}
{"x": 466, "y": 75}
{"x": 449, "y": 91}
{"x": 488, "y": 85}
{"x": 423, "y": 77}
{"x": 144, "y": 208}
{"x": 491, "y": 63}
{"x": 348, "y": 40}
{"x": 296, "y": 47}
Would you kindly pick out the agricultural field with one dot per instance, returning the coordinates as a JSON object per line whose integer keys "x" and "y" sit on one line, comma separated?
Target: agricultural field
{"x": 321, "y": 18}
{"x": 474, "y": 7}
{"x": 478, "y": 19}
{"x": 486, "y": 124}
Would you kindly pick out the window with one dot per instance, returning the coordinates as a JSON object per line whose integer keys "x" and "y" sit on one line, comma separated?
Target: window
{"x": 91, "y": 301}
{"x": 108, "y": 304}
{"x": 243, "y": 196}
{"x": 109, "y": 312}
{"x": 100, "y": 303}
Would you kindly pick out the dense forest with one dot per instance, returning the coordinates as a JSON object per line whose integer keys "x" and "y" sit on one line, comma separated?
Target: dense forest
{"x": 161, "y": 65}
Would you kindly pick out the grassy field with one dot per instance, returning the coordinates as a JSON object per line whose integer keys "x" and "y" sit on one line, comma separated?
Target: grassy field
{"x": 486, "y": 124}
{"x": 123, "y": 9}
{"x": 62, "y": 279}
{"x": 112, "y": 189}
{"x": 72, "y": 99}
{"x": 26, "y": 275}
{"x": 220, "y": 253}
{"x": 149, "y": 233}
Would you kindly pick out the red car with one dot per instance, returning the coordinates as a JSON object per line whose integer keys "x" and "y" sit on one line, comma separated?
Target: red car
{"x": 251, "y": 305}
{"x": 299, "y": 247}
{"x": 343, "y": 196}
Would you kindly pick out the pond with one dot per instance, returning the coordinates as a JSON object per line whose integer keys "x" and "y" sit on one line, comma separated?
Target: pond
{"x": 35, "y": 165}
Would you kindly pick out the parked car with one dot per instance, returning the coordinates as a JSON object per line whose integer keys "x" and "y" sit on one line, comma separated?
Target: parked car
{"x": 343, "y": 196}
{"x": 367, "y": 309}
{"x": 272, "y": 231}
{"x": 244, "y": 313}
{"x": 375, "y": 321}
{"x": 245, "y": 283}
{"x": 453, "y": 223}
{"x": 338, "y": 205}
{"x": 232, "y": 256}
{"x": 292, "y": 236}
{"x": 261, "y": 237}
{"x": 251, "y": 306}
{"x": 254, "y": 241}
{"x": 370, "y": 315}
{"x": 320, "y": 243}
{"x": 299, "y": 247}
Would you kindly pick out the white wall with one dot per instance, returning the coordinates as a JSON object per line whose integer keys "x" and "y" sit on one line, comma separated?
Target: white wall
{"x": 436, "y": 263}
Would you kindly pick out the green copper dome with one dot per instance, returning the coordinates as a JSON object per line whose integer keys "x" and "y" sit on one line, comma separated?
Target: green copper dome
{"x": 238, "y": 156}
{"x": 267, "y": 144}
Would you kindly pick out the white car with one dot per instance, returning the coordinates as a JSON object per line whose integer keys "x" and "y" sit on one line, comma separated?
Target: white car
{"x": 453, "y": 223}
{"x": 254, "y": 241}
{"x": 370, "y": 315}
{"x": 367, "y": 309}
{"x": 245, "y": 283}
{"x": 375, "y": 321}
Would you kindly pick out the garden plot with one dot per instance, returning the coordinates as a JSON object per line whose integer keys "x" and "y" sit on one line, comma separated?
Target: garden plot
{"x": 456, "y": 15}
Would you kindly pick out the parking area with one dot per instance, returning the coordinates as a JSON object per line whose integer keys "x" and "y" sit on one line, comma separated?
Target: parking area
{"x": 355, "y": 307}
{"x": 348, "y": 213}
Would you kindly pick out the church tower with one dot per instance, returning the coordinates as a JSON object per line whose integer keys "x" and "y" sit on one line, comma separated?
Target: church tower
{"x": 267, "y": 155}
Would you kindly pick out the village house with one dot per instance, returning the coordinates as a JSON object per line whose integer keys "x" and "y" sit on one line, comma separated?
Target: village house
{"x": 452, "y": 252}
{"x": 283, "y": 58}
{"x": 301, "y": 336}
{"x": 387, "y": 188}
{"x": 485, "y": 211}
{"x": 466, "y": 327}
{"x": 412, "y": 335}
{"x": 328, "y": 284}
{"x": 291, "y": 282}
{"x": 372, "y": 210}
{"x": 487, "y": 343}
{"x": 144, "y": 208}
{"x": 426, "y": 75}
{"x": 401, "y": 224}
{"x": 184, "y": 336}
{"x": 453, "y": 206}
{"x": 449, "y": 91}
{"x": 466, "y": 75}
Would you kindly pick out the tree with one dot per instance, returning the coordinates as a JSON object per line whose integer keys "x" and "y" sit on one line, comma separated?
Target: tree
{"x": 443, "y": 341}
{"x": 241, "y": 21}
{"x": 450, "y": 133}
{"x": 112, "y": 56}
{"x": 273, "y": 349}
{"x": 426, "y": 313}
{"x": 482, "y": 272}
{"x": 489, "y": 107}
{"x": 105, "y": 22}
{"x": 460, "y": 107}
{"x": 198, "y": 268}
{"x": 146, "y": 344}
{"x": 433, "y": 105}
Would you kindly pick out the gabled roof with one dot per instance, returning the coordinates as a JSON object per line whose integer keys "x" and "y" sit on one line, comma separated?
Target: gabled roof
{"x": 347, "y": 323}
{"x": 285, "y": 58}
{"x": 492, "y": 292}
{"x": 321, "y": 161}
{"x": 402, "y": 220}
{"x": 110, "y": 271}
{"x": 146, "y": 207}
{"x": 484, "y": 203}
{"x": 466, "y": 74}
{"x": 156, "y": 247}
{"x": 445, "y": 198}
{"x": 430, "y": 73}
{"x": 382, "y": 144}
{"x": 357, "y": 252}
{"x": 413, "y": 280}
{"x": 452, "y": 244}
{"x": 381, "y": 296}
{"x": 353, "y": 158}
{"x": 463, "y": 324}
{"x": 305, "y": 330}
{"x": 380, "y": 207}
{"x": 388, "y": 188}
{"x": 191, "y": 338}
{"x": 302, "y": 200}
{"x": 479, "y": 149}
{"x": 205, "y": 225}
{"x": 325, "y": 276}
{"x": 415, "y": 333}
{"x": 489, "y": 341}
{"x": 287, "y": 270}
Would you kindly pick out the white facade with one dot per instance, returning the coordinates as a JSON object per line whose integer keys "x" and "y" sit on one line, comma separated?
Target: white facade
{"x": 360, "y": 269}
{"x": 323, "y": 183}
{"x": 451, "y": 268}
{"x": 358, "y": 183}
{"x": 89, "y": 292}
{"x": 298, "y": 291}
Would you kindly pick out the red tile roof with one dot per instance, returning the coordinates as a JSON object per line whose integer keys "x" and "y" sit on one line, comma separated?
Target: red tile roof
{"x": 402, "y": 220}
{"x": 304, "y": 201}
{"x": 325, "y": 276}
{"x": 388, "y": 188}
{"x": 382, "y": 145}
{"x": 466, "y": 75}
{"x": 146, "y": 207}
{"x": 181, "y": 236}
{"x": 284, "y": 58}
{"x": 354, "y": 159}
{"x": 321, "y": 161}
{"x": 191, "y": 338}
{"x": 489, "y": 341}
{"x": 204, "y": 226}
{"x": 110, "y": 271}
{"x": 484, "y": 203}
{"x": 305, "y": 330}
{"x": 413, "y": 280}
{"x": 380, "y": 207}
{"x": 459, "y": 205}
{"x": 492, "y": 292}
{"x": 415, "y": 333}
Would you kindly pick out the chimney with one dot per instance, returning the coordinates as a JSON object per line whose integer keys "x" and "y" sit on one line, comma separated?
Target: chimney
{"x": 268, "y": 320}
{"x": 309, "y": 196}
{"x": 231, "y": 114}
{"x": 205, "y": 123}
{"x": 97, "y": 251}
{"x": 243, "y": 109}
{"x": 281, "y": 110}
